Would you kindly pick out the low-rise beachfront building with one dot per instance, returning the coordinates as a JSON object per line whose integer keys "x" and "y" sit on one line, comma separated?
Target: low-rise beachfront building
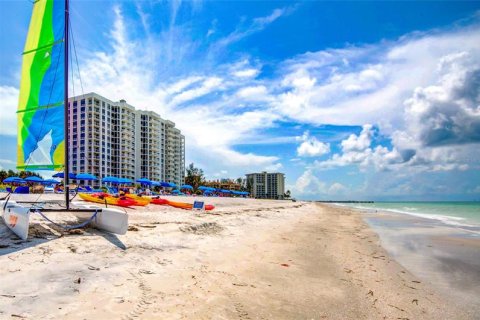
{"x": 266, "y": 185}
{"x": 110, "y": 138}
{"x": 227, "y": 184}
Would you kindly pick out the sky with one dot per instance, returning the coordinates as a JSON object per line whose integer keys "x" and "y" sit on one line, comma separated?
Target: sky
{"x": 350, "y": 99}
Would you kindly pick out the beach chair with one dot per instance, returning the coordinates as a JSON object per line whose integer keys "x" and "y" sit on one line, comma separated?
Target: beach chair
{"x": 90, "y": 190}
{"x": 22, "y": 190}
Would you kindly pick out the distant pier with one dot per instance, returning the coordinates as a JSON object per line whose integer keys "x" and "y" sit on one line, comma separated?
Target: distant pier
{"x": 345, "y": 201}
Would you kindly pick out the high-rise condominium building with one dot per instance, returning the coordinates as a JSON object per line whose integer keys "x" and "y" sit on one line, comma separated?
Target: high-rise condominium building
{"x": 266, "y": 185}
{"x": 113, "y": 139}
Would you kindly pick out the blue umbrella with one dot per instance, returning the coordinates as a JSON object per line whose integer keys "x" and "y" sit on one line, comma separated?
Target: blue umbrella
{"x": 71, "y": 175}
{"x": 203, "y": 188}
{"x": 156, "y": 183}
{"x": 124, "y": 181}
{"x": 14, "y": 179}
{"x": 225, "y": 191}
{"x": 144, "y": 181}
{"x": 172, "y": 185}
{"x": 175, "y": 191}
{"x": 85, "y": 176}
{"x": 50, "y": 181}
{"x": 167, "y": 184}
{"x": 33, "y": 179}
{"x": 110, "y": 179}
{"x": 186, "y": 186}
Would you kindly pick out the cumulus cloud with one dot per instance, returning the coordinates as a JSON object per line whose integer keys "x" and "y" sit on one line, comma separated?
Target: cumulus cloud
{"x": 447, "y": 113}
{"x": 8, "y": 117}
{"x": 311, "y": 147}
{"x": 360, "y": 142}
{"x": 367, "y": 84}
{"x": 309, "y": 183}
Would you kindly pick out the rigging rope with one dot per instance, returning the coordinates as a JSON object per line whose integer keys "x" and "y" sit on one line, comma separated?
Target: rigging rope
{"x": 77, "y": 226}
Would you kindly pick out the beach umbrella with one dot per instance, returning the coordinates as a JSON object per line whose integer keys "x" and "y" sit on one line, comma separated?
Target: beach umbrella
{"x": 225, "y": 191}
{"x": 71, "y": 175}
{"x": 203, "y": 188}
{"x": 168, "y": 184}
{"x": 62, "y": 175}
{"x": 110, "y": 179}
{"x": 33, "y": 179}
{"x": 14, "y": 179}
{"x": 145, "y": 181}
{"x": 50, "y": 181}
{"x": 156, "y": 183}
{"x": 175, "y": 192}
{"x": 124, "y": 181}
{"x": 85, "y": 176}
{"x": 186, "y": 186}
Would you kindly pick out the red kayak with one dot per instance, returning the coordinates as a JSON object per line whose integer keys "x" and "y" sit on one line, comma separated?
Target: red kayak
{"x": 181, "y": 205}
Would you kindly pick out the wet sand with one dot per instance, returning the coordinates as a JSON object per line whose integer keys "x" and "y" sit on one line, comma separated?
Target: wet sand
{"x": 444, "y": 256}
{"x": 248, "y": 259}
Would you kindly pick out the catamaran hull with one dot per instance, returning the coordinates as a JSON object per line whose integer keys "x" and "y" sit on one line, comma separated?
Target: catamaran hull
{"x": 16, "y": 218}
{"x": 108, "y": 219}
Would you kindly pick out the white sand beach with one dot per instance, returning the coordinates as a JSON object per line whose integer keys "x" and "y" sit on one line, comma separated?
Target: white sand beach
{"x": 247, "y": 259}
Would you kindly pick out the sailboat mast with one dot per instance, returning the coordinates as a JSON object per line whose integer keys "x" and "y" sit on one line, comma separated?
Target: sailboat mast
{"x": 67, "y": 168}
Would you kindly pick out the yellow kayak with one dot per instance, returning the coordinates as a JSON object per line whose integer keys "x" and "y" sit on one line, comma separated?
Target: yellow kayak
{"x": 142, "y": 201}
{"x": 102, "y": 198}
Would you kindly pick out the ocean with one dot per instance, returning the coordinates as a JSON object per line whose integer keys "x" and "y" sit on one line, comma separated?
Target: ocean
{"x": 459, "y": 214}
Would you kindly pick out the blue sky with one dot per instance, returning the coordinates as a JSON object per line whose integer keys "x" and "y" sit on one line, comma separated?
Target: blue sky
{"x": 352, "y": 100}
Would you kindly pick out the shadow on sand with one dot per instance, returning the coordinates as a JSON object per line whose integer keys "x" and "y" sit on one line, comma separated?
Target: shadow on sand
{"x": 40, "y": 233}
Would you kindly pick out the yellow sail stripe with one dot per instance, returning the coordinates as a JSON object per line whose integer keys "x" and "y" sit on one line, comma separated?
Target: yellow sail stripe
{"x": 32, "y": 42}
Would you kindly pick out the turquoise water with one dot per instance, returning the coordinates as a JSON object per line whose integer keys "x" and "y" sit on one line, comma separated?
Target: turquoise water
{"x": 453, "y": 213}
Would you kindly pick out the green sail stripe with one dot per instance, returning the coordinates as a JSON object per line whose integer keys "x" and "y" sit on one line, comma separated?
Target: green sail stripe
{"x": 39, "y": 66}
{"x": 53, "y": 105}
{"x": 40, "y": 167}
{"x": 43, "y": 47}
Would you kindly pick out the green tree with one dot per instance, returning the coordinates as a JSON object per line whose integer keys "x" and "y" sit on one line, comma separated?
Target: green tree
{"x": 287, "y": 194}
{"x": 194, "y": 176}
{"x": 249, "y": 185}
{"x": 3, "y": 175}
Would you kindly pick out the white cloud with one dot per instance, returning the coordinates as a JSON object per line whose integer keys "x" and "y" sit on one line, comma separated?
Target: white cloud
{"x": 274, "y": 167}
{"x": 318, "y": 87}
{"x": 8, "y": 117}
{"x": 311, "y": 147}
{"x": 360, "y": 142}
{"x": 6, "y": 164}
{"x": 308, "y": 183}
{"x": 246, "y": 73}
{"x": 208, "y": 85}
{"x": 257, "y": 93}
{"x": 337, "y": 188}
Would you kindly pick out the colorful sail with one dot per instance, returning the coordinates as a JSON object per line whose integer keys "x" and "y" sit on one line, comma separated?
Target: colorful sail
{"x": 41, "y": 138}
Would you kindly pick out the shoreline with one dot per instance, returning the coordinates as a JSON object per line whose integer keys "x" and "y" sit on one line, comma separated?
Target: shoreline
{"x": 445, "y": 256}
{"x": 249, "y": 259}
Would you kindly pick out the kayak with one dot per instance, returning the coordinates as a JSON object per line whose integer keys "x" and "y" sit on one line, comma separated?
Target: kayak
{"x": 137, "y": 201}
{"x": 105, "y": 197}
{"x": 186, "y": 206}
{"x": 141, "y": 201}
{"x": 158, "y": 201}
